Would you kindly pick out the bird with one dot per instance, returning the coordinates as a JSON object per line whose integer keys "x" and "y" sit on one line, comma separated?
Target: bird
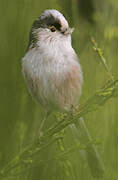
{"x": 51, "y": 67}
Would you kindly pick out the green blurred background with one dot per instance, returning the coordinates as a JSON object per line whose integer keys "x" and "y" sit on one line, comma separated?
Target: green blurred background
{"x": 20, "y": 117}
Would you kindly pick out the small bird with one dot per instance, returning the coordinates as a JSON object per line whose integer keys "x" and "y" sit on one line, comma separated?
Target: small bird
{"x": 50, "y": 66}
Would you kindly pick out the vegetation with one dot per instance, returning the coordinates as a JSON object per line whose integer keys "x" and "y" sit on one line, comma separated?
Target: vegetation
{"x": 57, "y": 154}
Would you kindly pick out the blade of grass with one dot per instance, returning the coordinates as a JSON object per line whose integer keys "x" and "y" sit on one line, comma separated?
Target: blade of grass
{"x": 102, "y": 58}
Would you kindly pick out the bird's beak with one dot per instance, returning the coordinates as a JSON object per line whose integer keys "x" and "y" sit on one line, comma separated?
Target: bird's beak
{"x": 69, "y": 31}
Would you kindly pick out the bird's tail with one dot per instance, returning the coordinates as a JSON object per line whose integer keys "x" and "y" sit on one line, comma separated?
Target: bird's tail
{"x": 92, "y": 155}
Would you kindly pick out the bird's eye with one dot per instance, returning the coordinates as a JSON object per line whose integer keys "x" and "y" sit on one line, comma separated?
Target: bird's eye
{"x": 53, "y": 28}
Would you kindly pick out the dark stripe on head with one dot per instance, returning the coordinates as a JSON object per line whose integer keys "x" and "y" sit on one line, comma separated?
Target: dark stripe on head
{"x": 47, "y": 21}
{"x": 50, "y": 20}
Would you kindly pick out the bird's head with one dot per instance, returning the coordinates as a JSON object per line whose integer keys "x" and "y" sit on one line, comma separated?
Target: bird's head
{"x": 50, "y": 26}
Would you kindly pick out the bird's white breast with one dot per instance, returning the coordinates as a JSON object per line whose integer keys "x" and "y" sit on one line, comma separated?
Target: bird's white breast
{"x": 53, "y": 75}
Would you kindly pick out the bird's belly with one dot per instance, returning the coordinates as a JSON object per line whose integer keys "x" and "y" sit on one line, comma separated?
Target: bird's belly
{"x": 56, "y": 85}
